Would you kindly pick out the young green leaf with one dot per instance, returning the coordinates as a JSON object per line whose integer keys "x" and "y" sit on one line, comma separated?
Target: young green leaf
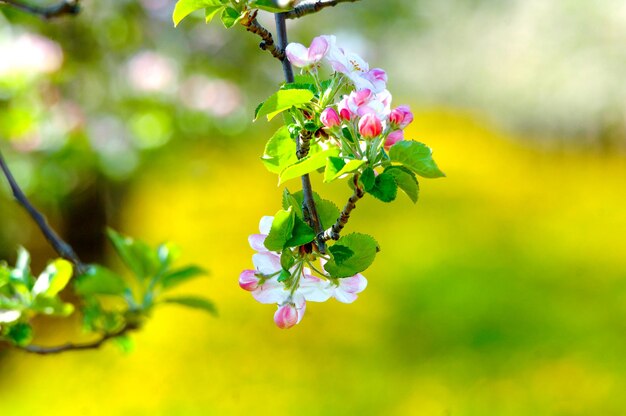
{"x": 363, "y": 248}
{"x": 287, "y": 259}
{"x": 20, "y": 334}
{"x": 281, "y": 230}
{"x": 281, "y": 101}
{"x": 385, "y": 188}
{"x": 368, "y": 179}
{"x": 56, "y": 276}
{"x": 417, "y": 157}
{"x": 280, "y": 151}
{"x": 98, "y": 280}
{"x": 178, "y": 276}
{"x": 336, "y": 166}
{"x": 268, "y": 6}
{"x": 21, "y": 272}
{"x": 211, "y": 11}
{"x": 184, "y": 8}
{"x": 301, "y": 234}
{"x": 193, "y": 302}
{"x": 307, "y": 165}
{"x": 140, "y": 258}
{"x": 230, "y": 16}
{"x": 327, "y": 211}
{"x": 51, "y": 306}
{"x": 406, "y": 180}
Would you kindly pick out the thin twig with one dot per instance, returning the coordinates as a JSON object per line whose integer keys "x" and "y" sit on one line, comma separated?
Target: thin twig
{"x": 252, "y": 25}
{"x": 304, "y": 144}
{"x": 310, "y": 8}
{"x": 333, "y": 233}
{"x": 309, "y": 209}
{"x": 64, "y": 7}
{"x": 60, "y": 246}
{"x": 36, "y": 349}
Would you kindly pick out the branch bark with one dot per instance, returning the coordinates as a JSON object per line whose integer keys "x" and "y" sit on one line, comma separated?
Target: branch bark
{"x": 58, "y": 244}
{"x": 64, "y": 7}
{"x": 334, "y": 232}
{"x": 311, "y": 8}
{"x": 36, "y": 349}
{"x": 267, "y": 44}
{"x": 309, "y": 209}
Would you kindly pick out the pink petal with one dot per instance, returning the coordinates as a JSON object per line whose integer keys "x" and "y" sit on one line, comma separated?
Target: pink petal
{"x": 298, "y": 55}
{"x": 344, "y": 297}
{"x": 318, "y": 49}
{"x": 286, "y": 316}
{"x": 248, "y": 280}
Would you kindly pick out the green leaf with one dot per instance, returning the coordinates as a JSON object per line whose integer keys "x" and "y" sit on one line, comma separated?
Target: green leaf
{"x": 52, "y": 306}
{"x": 363, "y": 248}
{"x": 168, "y": 253}
{"x": 406, "y": 180}
{"x": 185, "y": 7}
{"x": 385, "y": 188}
{"x": 336, "y": 167}
{"x": 368, "y": 179}
{"x": 284, "y": 275}
{"x": 230, "y": 16}
{"x": 417, "y": 157}
{"x": 20, "y": 334}
{"x": 307, "y": 165}
{"x": 280, "y": 151}
{"x": 99, "y": 280}
{"x": 178, "y": 276}
{"x": 140, "y": 258}
{"x": 327, "y": 211}
{"x": 211, "y": 11}
{"x": 287, "y": 260}
{"x": 268, "y": 6}
{"x": 290, "y": 200}
{"x": 21, "y": 272}
{"x": 56, "y": 276}
{"x": 301, "y": 234}
{"x": 281, "y": 230}
{"x": 193, "y": 302}
{"x": 283, "y": 100}
{"x": 125, "y": 343}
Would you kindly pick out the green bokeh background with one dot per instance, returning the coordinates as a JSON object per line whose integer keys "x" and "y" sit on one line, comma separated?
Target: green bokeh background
{"x": 502, "y": 292}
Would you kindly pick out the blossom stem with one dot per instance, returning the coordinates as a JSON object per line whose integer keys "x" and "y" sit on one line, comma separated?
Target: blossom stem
{"x": 64, "y": 7}
{"x": 333, "y": 233}
{"x": 309, "y": 209}
{"x": 310, "y": 8}
{"x": 58, "y": 244}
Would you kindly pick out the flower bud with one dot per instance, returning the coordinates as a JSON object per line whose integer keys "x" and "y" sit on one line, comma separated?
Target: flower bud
{"x": 370, "y": 126}
{"x": 248, "y": 280}
{"x": 330, "y": 118}
{"x": 401, "y": 117}
{"x": 393, "y": 138}
{"x": 286, "y": 316}
{"x": 344, "y": 110}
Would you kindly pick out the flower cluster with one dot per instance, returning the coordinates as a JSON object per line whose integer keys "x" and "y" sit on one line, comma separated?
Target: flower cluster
{"x": 367, "y": 107}
{"x": 269, "y": 283}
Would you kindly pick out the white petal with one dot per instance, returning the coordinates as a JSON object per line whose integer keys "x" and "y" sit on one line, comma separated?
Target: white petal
{"x": 344, "y": 297}
{"x": 256, "y": 242}
{"x": 266, "y": 224}
{"x": 266, "y": 263}
{"x": 297, "y": 54}
{"x": 314, "y": 289}
{"x": 272, "y": 291}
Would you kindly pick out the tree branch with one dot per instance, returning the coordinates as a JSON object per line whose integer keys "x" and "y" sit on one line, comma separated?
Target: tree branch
{"x": 60, "y": 246}
{"x": 309, "y": 209}
{"x": 36, "y": 349}
{"x": 252, "y": 25}
{"x": 333, "y": 233}
{"x": 311, "y": 8}
{"x": 64, "y": 7}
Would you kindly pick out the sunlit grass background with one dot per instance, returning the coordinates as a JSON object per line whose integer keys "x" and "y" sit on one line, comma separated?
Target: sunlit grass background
{"x": 502, "y": 292}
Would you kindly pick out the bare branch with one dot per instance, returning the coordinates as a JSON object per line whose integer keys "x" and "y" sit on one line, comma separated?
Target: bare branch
{"x": 333, "y": 233}
{"x": 36, "y": 349}
{"x": 252, "y": 25}
{"x": 60, "y": 246}
{"x": 64, "y": 7}
{"x": 311, "y": 8}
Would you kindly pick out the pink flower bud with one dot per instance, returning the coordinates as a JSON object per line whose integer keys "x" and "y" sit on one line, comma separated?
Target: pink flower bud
{"x": 330, "y": 118}
{"x": 401, "y": 117}
{"x": 344, "y": 109}
{"x": 370, "y": 126}
{"x": 361, "y": 97}
{"x": 248, "y": 280}
{"x": 286, "y": 316}
{"x": 378, "y": 74}
{"x": 393, "y": 138}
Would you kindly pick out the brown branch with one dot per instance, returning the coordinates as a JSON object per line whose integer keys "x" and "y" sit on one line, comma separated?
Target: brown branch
{"x": 311, "y": 8}
{"x": 309, "y": 209}
{"x": 252, "y": 25}
{"x": 36, "y": 349}
{"x": 333, "y": 233}
{"x": 64, "y": 7}
{"x": 60, "y": 246}
{"x": 304, "y": 144}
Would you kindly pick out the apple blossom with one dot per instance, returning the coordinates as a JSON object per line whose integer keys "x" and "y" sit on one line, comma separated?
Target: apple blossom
{"x": 286, "y": 316}
{"x": 393, "y": 138}
{"x": 346, "y": 289}
{"x": 401, "y": 117}
{"x": 303, "y": 57}
{"x": 370, "y": 126}
{"x": 330, "y": 118}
